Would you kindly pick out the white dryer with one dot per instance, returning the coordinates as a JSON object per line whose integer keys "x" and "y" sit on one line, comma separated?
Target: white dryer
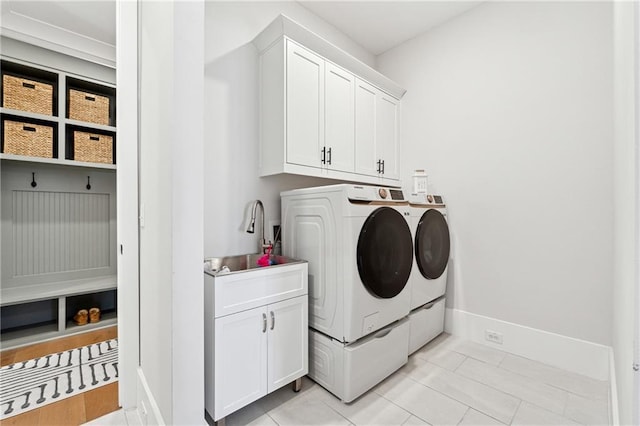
{"x": 428, "y": 279}
{"x": 359, "y": 249}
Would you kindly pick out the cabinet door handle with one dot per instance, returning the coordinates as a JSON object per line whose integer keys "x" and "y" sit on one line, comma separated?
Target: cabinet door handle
{"x": 322, "y": 160}
{"x": 273, "y": 320}
{"x": 264, "y": 323}
{"x": 378, "y": 169}
{"x": 329, "y": 156}
{"x": 382, "y": 166}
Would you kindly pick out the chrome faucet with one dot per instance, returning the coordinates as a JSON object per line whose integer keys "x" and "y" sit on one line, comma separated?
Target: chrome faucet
{"x": 252, "y": 225}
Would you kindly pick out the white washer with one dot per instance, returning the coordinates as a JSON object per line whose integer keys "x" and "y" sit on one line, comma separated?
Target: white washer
{"x": 428, "y": 279}
{"x": 359, "y": 249}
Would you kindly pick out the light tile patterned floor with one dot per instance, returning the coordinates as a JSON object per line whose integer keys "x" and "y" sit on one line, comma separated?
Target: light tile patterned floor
{"x": 448, "y": 382}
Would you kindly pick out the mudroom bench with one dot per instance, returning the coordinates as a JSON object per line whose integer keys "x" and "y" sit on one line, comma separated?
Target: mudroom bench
{"x": 33, "y": 313}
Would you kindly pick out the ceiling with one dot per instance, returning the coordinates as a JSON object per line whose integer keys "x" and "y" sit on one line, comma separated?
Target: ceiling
{"x": 381, "y": 25}
{"x": 91, "y": 19}
{"x": 78, "y": 26}
{"x": 86, "y": 29}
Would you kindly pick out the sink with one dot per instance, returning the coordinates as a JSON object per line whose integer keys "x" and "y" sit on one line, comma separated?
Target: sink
{"x": 243, "y": 262}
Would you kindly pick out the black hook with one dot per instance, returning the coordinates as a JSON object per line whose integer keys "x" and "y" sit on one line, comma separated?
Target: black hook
{"x": 88, "y": 182}
{"x": 33, "y": 180}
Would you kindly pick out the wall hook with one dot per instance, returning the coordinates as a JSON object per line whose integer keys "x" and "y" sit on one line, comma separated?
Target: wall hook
{"x": 88, "y": 182}
{"x": 33, "y": 180}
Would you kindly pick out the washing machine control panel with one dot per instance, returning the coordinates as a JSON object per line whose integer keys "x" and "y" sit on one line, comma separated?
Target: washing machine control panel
{"x": 426, "y": 199}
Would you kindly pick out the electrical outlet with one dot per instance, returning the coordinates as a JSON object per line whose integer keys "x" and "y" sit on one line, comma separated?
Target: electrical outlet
{"x": 493, "y": 336}
{"x": 274, "y": 231}
{"x": 277, "y": 234}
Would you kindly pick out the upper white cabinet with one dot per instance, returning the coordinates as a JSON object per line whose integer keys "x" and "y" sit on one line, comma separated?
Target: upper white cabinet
{"x": 323, "y": 113}
{"x": 367, "y": 160}
{"x": 305, "y": 106}
{"x": 319, "y": 116}
{"x": 339, "y": 119}
{"x": 386, "y": 139}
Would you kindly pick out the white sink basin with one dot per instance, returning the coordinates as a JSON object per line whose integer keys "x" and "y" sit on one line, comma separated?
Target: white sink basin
{"x": 236, "y": 283}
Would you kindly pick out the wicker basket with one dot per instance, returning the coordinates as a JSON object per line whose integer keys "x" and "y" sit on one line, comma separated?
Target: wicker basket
{"x": 92, "y": 147}
{"x": 27, "y": 95}
{"x": 88, "y": 107}
{"x": 29, "y": 139}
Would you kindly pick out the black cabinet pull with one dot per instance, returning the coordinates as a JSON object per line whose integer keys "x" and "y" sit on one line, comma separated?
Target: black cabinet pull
{"x": 378, "y": 169}
{"x": 28, "y": 85}
{"x": 329, "y": 156}
{"x": 323, "y": 161}
{"x": 382, "y": 166}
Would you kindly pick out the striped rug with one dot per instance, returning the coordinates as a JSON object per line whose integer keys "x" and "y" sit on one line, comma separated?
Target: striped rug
{"x": 31, "y": 384}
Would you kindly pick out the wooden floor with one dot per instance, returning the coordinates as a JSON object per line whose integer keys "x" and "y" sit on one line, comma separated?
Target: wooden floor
{"x": 77, "y": 409}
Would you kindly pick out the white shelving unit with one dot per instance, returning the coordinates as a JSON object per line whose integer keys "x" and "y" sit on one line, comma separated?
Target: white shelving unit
{"x": 42, "y": 307}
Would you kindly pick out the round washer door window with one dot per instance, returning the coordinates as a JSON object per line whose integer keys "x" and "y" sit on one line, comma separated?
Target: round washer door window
{"x": 432, "y": 244}
{"x": 385, "y": 253}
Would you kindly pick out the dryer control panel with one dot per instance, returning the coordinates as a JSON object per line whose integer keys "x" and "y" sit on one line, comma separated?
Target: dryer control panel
{"x": 375, "y": 193}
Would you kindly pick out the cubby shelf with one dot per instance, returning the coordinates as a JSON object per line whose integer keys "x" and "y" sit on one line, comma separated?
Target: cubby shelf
{"x": 61, "y": 161}
{"x": 62, "y": 83}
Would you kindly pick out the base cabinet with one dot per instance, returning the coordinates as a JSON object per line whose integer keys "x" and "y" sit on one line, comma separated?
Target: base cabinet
{"x": 257, "y": 352}
{"x": 256, "y": 334}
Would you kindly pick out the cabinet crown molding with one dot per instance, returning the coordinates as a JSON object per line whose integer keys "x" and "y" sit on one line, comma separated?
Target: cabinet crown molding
{"x": 284, "y": 26}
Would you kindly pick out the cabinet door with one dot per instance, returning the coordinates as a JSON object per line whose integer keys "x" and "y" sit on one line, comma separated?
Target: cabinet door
{"x": 339, "y": 118}
{"x": 305, "y": 106}
{"x": 240, "y": 360}
{"x": 365, "y": 126}
{"x": 387, "y": 134}
{"x": 288, "y": 342}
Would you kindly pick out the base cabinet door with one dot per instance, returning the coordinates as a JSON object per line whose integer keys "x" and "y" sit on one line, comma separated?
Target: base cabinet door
{"x": 288, "y": 346}
{"x": 240, "y": 360}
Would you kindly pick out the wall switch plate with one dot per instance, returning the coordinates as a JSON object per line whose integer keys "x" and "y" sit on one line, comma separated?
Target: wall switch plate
{"x": 493, "y": 336}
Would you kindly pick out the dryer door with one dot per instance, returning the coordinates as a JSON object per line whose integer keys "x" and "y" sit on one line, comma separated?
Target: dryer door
{"x": 385, "y": 253}
{"x": 432, "y": 244}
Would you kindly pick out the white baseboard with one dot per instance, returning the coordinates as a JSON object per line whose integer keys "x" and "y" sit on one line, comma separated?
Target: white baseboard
{"x": 614, "y": 414}
{"x": 579, "y": 356}
{"x": 147, "y": 408}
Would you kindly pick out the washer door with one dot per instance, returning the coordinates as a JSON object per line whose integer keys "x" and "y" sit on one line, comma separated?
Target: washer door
{"x": 385, "y": 253}
{"x": 432, "y": 244}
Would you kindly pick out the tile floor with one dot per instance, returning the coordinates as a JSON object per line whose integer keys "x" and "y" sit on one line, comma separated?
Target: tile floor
{"x": 448, "y": 382}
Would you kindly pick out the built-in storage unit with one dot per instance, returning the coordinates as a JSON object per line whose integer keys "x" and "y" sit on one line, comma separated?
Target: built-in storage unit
{"x": 54, "y": 117}
{"x": 323, "y": 113}
{"x": 58, "y": 209}
{"x": 256, "y": 337}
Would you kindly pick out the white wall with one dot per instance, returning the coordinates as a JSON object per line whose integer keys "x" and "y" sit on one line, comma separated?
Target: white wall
{"x": 508, "y": 107}
{"x": 156, "y": 316}
{"x": 626, "y": 209}
{"x": 232, "y": 121}
{"x": 171, "y": 188}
